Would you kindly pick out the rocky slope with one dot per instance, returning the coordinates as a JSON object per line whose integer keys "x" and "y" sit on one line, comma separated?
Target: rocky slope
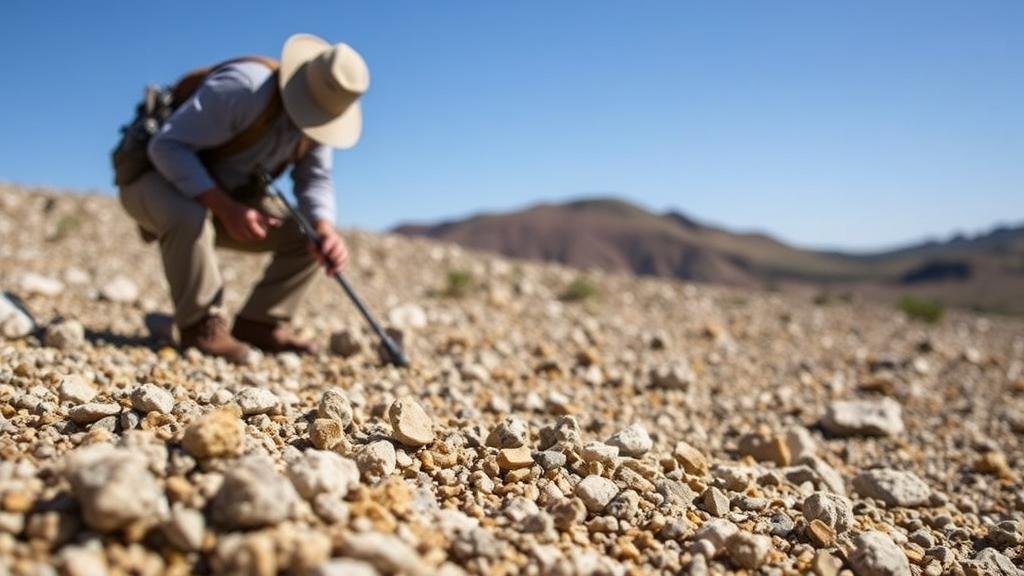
{"x": 655, "y": 427}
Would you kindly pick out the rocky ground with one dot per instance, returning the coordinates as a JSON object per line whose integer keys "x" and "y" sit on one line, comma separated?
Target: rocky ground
{"x": 650, "y": 427}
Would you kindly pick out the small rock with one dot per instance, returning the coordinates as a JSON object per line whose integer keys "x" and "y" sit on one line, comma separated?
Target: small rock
{"x": 600, "y": 452}
{"x": 631, "y": 441}
{"x": 335, "y": 405}
{"x": 325, "y": 433}
{"x": 37, "y": 284}
{"x": 715, "y": 502}
{"x": 748, "y": 550}
{"x": 252, "y": 495}
{"x": 92, "y": 411}
{"x": 550, "y": 459}
{"x": 677, "y": 376}
{"x": 319, "y": 471}
{"x": 346, "y": 343}
{"x": 875, "y": 554}
{"x": 596, "y": 492}
{"x": 185, "y": 528}
{"x": 832, "y": 509}
{"x": 994, "y": 462}
{"x": 515, "y": 458}
{"x": 716, "y": 532}
{"x": 73, "y": 388}
{"x": 874, "y": 417}
{"x": 820, "y": 534}
{"x": 376, "y": 460}
{"x": 408, "y": 316}
{"x": 691, "y": 459}
{"x": 411, "y": 425}
{"x": 800, "y": 443}
{"x": 389, "y": 554}
{"x": 567, "y": 512}
{"x": 764, "y": 448}
{"x": 114, "y": 487}
{"x": 346, "y": 567}
{"x": 254, "y": 400}
{"x": 990, "y": 562}
{"x": 217, "y": 434}
{"x": 825, "y": 564}
{"x": 65, "y": 335}
{"x": 120, "y": 290}
{"x": 511, "y": 432}
{"x": 893, "y": 487}
{"x": 82, "y": 561}
{"x": 152, "y": 398}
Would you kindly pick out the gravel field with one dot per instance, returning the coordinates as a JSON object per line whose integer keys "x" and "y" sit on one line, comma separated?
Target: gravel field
{"x": 651, "y": 427}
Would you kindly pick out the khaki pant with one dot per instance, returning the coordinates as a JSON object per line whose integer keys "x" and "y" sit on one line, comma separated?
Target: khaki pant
{"x": 188, "y": 233}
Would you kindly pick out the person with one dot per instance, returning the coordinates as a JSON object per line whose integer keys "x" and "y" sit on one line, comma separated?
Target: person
{"x": 186, "y": 203}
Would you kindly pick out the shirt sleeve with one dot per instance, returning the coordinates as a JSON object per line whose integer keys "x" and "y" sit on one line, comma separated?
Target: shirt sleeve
{"x": 313, "y": 184}
{"x": 211, "y": 117}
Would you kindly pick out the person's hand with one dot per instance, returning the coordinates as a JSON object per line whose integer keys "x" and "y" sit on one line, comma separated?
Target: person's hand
{"x": 332, "y": 253}
{"x": 241, "y": 222}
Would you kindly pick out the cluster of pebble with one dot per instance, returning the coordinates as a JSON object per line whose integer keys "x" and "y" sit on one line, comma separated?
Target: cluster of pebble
{"x": 656, "y": 428}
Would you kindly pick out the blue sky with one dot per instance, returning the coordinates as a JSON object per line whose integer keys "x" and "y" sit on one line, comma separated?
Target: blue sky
{"x": 854, "y": 124}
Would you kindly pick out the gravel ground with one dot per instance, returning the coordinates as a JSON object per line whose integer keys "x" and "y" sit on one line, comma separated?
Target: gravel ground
{"x": 653, "y": 427}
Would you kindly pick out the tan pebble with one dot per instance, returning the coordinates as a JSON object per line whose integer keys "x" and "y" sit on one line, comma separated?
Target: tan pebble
{"x": 820, "y": 534}
{"x": 17, "y": 501}
{"x": 214, "y": 435}
{"x": 515, "y": 458}
{"x": 411, "y": 425}
{"x": 325, "y": 433}
{"x": 691, "y": 459}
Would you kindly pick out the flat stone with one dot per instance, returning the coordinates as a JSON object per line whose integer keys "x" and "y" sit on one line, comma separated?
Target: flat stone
{"x": 594, "y": 451}
{"x": 152, "y": 398}
{"x": 596, "y": 492}
{"x": 515, "y": 458}
{"x": 893, "y": 487}
{"x": 92, "y": 411}
{"x": 692, "y": 460}
{"x": 820, "y": 534}
{"x": 871, "y": 417}
{"x": 875, "y": 554}
{"x": 715, "y": 502}
{"x": 632, "y": 441}
{"x": 411, "y": 425}
{"x": 765, "y": 448}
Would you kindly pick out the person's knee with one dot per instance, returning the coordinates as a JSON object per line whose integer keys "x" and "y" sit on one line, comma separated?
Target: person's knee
{"x": 190, "y": 222}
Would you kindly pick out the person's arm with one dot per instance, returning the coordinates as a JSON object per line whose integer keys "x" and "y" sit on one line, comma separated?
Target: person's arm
{"x": 219, "y": 109}
{"x": 314, "y": 190}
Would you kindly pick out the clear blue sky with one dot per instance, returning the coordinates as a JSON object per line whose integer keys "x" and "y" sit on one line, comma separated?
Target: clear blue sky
{"x": 855, "y": 124}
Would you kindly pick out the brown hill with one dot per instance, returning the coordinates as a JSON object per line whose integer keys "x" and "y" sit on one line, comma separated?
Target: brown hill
{"x": 985, "y": 272}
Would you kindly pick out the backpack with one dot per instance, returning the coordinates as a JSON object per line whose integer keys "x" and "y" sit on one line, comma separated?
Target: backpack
{"x": 130, "y": 157}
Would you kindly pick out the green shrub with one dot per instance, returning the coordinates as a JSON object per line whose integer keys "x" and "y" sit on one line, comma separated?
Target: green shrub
{"x": 580, "y": 289}
{"x": 923, "y": 309}
{"x": 460, "y": 283}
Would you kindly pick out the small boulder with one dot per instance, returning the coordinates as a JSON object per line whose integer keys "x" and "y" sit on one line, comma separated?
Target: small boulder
{"x": 114, "y": 487}
{"x": 893, "y": 487}
{"x": 632, "y": 441}
{"x": 871, "y": 417}
{"x": 252, "y": 495}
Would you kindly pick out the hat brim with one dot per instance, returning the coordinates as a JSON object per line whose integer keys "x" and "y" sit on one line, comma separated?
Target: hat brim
{"x": 336, "y": 131}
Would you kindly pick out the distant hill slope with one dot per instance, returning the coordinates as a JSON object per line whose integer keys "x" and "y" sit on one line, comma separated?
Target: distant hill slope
{"x": 985, "y": 272}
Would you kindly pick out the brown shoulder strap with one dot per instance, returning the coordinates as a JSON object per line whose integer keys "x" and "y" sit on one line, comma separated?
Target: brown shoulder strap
{"x": 252, "y": 133}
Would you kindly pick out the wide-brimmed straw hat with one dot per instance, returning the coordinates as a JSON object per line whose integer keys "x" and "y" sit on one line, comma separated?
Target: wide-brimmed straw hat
{"x": 321, "y": 84}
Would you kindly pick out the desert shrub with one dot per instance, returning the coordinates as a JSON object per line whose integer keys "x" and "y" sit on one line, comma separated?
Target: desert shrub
{"x": 460, "y": 283}
{"x": 581, "y": 288}
{"x": 923, "y": 309}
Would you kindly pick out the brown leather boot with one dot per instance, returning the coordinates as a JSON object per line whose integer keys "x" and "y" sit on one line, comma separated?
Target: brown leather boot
{"x": 270, "y": 337}
{"x": 210, "y": 336}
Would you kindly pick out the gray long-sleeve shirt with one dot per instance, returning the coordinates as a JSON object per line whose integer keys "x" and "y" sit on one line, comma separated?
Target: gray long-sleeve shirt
{"x": 227, "y": 102}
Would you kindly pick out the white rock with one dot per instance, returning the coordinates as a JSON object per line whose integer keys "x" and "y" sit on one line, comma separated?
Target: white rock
{"x": 871, "y": 417}
{"x": 408, "y": 316}
{"x": 185, "y": 528}
{"x": 37, "y": 284}
{"x": 252, "y": 495}
{"x": 77, "y": 276}
{"x": 114, "y": 487}
{"x": 346, "y": 567}
{"x": 894, "y": 487}
{"x": 748, "y": 550}
{"x": 716, "y": 532}
{"x": 511, "y": 432}
{"x": 832, "y": 509}
{"x": 596, "y": 492}
{"x": 410, "y": 423}
{"x": 120, "y": 289}
{"x": 377, "y": 460}
{"x": 336, "y": 406}
{"x": 65, "y": 335}
{"x": 875, "y": 554}
{"x": 73, "y": 388}
{"x": 254, "y": 400}
{"x": 632, "y": 441}
{"x": 320, "y": 471}
{"x": 92, "y": 411}
{"x": 387, "y": 553}
{"x": 152, "y": 398}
